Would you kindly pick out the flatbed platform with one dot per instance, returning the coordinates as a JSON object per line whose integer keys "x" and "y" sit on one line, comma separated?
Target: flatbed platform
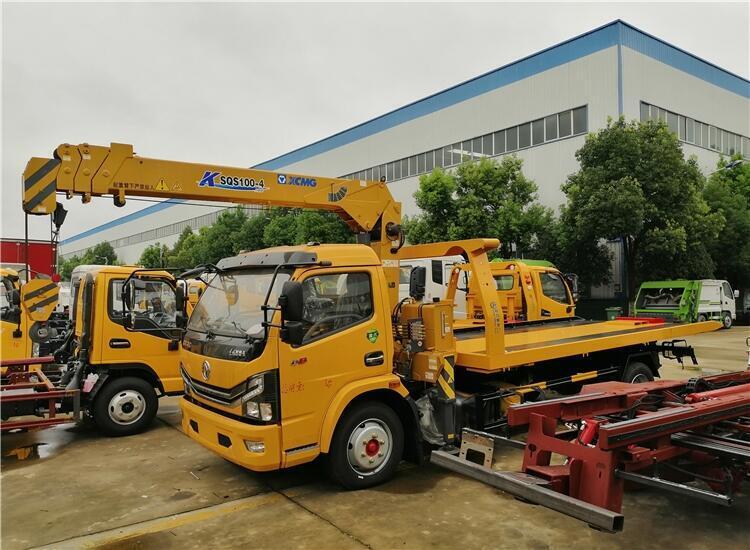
{"x": 564, "y": 338}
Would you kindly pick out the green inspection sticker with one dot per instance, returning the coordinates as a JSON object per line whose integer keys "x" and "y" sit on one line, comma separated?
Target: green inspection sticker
{"x": 372, "y": 335}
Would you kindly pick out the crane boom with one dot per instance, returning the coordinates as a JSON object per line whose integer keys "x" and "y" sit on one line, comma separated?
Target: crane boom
{"x": 93, "y": 171}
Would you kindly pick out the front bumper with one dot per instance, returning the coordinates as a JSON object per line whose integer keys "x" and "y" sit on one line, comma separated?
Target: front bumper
{"x": 226, "y": 437}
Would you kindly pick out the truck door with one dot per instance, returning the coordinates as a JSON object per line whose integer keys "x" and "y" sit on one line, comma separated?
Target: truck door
{"x": 346, "y": 339}
{"x": 554, "y": 297}
{"x": 150, "y": 341}
{"x": 727, "y": 299}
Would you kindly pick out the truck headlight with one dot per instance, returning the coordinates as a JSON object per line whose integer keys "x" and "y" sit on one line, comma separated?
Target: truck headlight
{"x": 261, "y": 401}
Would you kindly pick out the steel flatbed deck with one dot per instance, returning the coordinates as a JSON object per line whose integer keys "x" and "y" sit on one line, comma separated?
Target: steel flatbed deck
{"x": 565, "y": 338}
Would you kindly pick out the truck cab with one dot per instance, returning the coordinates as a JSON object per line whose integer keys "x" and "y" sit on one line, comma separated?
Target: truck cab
{"x": 528, "y": 291}
{"x": 123, "y": 362}
{"x": 268, "y": 398}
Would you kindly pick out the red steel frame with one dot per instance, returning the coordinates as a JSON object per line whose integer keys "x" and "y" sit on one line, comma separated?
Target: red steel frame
{"x": 37, "y": 388}
{"x": 605, "y": 445}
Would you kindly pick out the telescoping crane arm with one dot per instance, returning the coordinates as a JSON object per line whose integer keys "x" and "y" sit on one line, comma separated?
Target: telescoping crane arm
{"x": 93, "y": 171}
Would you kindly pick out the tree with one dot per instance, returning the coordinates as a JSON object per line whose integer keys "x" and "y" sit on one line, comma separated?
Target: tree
{"x": 155, "y": 255}
{"x": 67, "y": 266}
{"x": 101, "y": 254}
{"x": 728, "y": 193}
{"x": 482, "y": 199}
{"x": 635, "y": 185}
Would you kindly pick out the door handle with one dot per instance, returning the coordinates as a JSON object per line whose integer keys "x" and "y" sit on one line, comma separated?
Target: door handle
{"x": 546, "y": 313}
{"x": 374, "y": 358}
{"x": 119, "y": 343}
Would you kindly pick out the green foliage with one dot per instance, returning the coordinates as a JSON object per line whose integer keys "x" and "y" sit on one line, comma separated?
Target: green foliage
{"x": 235, "y": 230}
{"x": 482, "y": 199}
{"x": 634, "y": 184}
{"x": 155, "y": 255}
{"x": 102, "y": 253}
{"x": 66, "y": 267}
{"x": 728, "y": 193}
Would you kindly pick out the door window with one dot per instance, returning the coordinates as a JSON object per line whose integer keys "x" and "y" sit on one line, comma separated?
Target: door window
{"x": 728, "y": 294}
{"x": 153, "y": 307}
{"x": 404, "y": 274}
{"x": 504, "y": 282}
{"x": 553, "y": 287}
{"x": 334, "y": 302}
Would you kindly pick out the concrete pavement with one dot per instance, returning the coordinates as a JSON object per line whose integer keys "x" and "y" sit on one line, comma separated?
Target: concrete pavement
{"x": 76, "y": 489}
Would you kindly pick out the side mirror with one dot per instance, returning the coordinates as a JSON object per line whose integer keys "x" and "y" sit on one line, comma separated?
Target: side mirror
{"x": 293, "y": 333}
{"x": 128, "y": 299}
{"x": 15, "y": 297}
{"x": 417, "y": 279}
{"x": 179, "y": 299}
{"x": 572, "y": 280}
{"x": 736, "y": 294}
{"x": 290, "y": 301}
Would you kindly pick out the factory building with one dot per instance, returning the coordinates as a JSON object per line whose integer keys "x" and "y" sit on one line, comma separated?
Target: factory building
{"x": 539, "y": 108}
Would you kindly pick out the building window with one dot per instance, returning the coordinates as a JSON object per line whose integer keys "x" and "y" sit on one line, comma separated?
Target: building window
{"x": 565, "y": 128}
{"x": 511, "y": 139}
{"x": 579, "y": 120}
{"x": 570, "y": 122}
{"x": 537, "y": 132}
{"x": 697, "y": 133}
{"x": 499, "y": 140}
{"x": 487, "y": 145}
{"x": 550, "y": 127}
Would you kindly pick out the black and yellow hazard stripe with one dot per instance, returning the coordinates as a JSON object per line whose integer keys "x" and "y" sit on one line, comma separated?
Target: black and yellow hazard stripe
{"x": 573, "y": 378}
{"x": 446, "y": 378}
{"x": 39, "y": 186}
{"x": 40, "y": 297}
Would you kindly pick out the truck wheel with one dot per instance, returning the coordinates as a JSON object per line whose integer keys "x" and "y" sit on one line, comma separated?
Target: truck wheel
{"x": 125, "y": 406}
{"x": 637, "y": 373}
{"x": 726, "y": 319}
{"x": 367, "y": 446}
{"x": 702, "y": 317}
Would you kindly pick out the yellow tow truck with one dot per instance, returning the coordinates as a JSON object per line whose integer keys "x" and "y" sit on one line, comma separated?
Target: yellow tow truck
{"x": 529, "y": 291}
{"x": 24, "y": 312}
{"x": 294, "y": 352}
{"x": 122, "y": 357}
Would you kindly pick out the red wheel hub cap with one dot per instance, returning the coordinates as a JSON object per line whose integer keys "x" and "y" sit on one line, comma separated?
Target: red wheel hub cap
{"x": 372, "y": 447}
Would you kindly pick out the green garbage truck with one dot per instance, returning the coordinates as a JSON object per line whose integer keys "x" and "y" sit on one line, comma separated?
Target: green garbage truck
{"x": 687, "y": 301}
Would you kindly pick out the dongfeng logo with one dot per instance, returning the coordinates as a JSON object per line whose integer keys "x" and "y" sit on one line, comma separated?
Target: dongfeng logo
{"x": 235, "y": 183}
{"x": 206, "y": 370}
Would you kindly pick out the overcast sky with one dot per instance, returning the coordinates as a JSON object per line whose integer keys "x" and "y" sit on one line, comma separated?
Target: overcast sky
{"x": 238, "y": 84}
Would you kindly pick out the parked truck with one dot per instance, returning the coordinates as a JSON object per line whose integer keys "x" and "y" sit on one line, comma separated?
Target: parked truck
{"x": 116, "y": 368}
{"x": 294, "y": 352}
{"x": 688, "y": 301}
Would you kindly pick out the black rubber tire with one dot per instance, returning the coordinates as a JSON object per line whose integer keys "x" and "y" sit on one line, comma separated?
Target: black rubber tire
{"x": 702, "y": 317}
{"x": 117, "y": 385}
{"x": 339, "y": 468}
{"x": 726, "y": 320}
{"x": 635, "y": 373}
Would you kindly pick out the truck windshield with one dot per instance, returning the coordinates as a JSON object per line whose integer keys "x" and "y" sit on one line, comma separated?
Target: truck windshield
{"x": 231, "y": 303}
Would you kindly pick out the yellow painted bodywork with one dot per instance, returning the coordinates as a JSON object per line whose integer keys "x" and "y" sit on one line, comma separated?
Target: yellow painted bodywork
{"x": 316, "y": 391}
{"x": 38, "y": 301}
{"x": 145, "y": 348}
{"x": 525, "y": 301}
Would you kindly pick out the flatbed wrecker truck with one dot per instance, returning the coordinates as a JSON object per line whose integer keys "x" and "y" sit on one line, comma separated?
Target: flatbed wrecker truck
{"x": 296, "y": 352}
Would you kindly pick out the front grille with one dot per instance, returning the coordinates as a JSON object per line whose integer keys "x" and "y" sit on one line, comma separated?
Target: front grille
{"x": 228, "y": 398}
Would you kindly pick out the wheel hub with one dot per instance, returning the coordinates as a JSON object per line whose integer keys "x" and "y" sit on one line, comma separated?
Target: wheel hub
{"x": 369, "y": 446}
{"x": 126, "y": 407}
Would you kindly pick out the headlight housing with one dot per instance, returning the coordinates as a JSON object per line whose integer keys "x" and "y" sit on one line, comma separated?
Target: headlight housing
{"x": 261, "y": 402}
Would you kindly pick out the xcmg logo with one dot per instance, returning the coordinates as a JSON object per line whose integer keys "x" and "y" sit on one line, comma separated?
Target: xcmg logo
{"x": 236, "y": 183}
{"x": 299, "y": 181}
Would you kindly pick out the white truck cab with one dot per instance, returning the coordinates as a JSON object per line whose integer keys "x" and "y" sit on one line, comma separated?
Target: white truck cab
{"x": 717, "y": 301}
{"x": 437, "y": 278}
